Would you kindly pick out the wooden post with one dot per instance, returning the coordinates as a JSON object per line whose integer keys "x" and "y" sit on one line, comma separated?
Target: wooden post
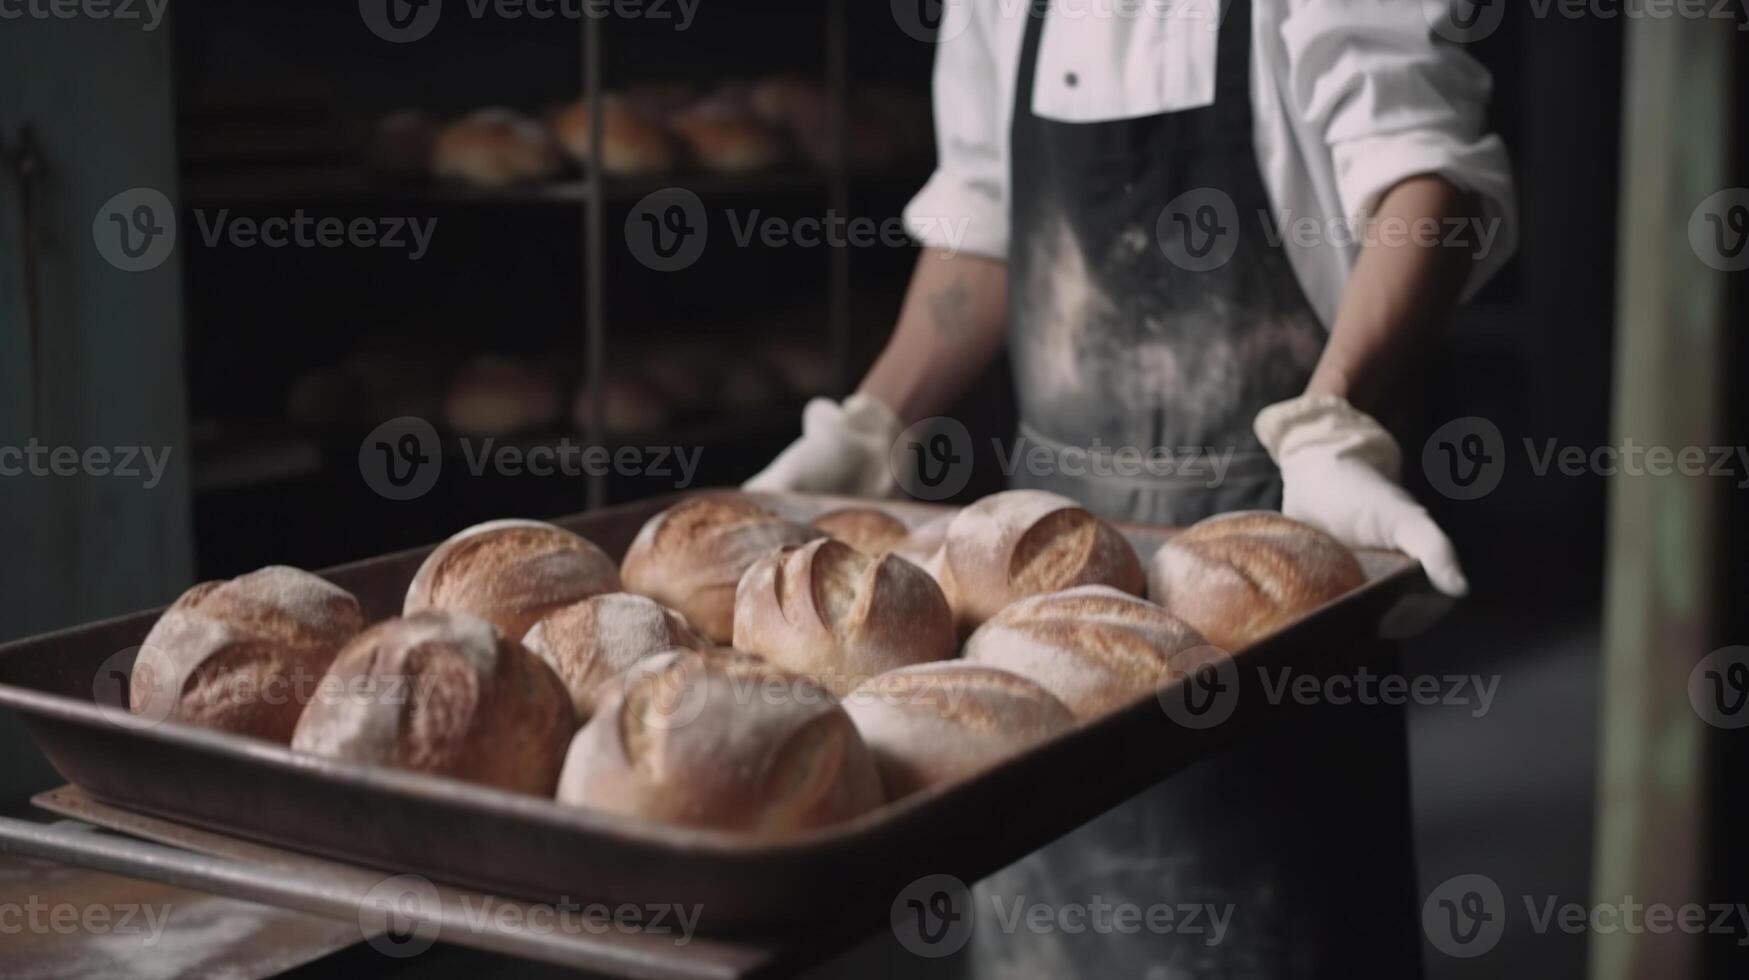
{"x": 1660, "y": 619}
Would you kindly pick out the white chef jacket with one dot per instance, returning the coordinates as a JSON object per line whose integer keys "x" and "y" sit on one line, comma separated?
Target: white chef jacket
{"x": 1350, "y": 96}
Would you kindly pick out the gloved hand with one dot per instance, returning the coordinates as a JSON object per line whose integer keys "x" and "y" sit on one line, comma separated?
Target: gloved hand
{"x": 1339, "y": 471}
{"x": 843, "y": 450}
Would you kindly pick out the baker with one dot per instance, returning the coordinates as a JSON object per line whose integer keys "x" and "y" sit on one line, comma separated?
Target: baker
{"x": 1122, "y": 196}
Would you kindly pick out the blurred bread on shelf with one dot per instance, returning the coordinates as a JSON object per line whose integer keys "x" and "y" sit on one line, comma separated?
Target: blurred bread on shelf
{"x": 327, "y": 396}
{"x": 633, "y": 141}
{"x": 723, "y": 134}
{"x": 401, "y": 144}
{"x": 804, "y": 367}
{"x": 658, "y": 100}
{"x": 628, "y": 404}
{"x": 496, "y": 148}
{"x": 495, "y": 396}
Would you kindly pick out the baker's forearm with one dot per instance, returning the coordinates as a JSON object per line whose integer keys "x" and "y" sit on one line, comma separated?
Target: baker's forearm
{"x": 951, "y": 325}
{"x": 1405, "y": 283}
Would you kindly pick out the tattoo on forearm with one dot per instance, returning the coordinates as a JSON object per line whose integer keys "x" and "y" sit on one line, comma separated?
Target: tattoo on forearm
{"x": 948, "y": 308}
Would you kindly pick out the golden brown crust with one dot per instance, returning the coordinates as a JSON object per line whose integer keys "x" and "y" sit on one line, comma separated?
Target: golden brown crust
{"x": 1239, "y": 577}
{"x": 691, "y": 556}
{"x": 1094, "y": 647}
{"x": 443, "y": 693}
{"x": 935, "y": 723}
{"x": 511, "y": 573}
{"x": 1026, "y": 542}
{"x": 838, "y": 616}
{"x": 631, "y": 142}
{"x": 722, "y": 139}
{"x": 870, "y": 531}
{"x": 722, "y": 740}
{"x": 243, "y": 655}
{"x": 495, "y": 148}
{"x": 591, "y": 642}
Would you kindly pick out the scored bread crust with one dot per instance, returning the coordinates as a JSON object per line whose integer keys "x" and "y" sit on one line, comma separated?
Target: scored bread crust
{"x": 691, "y": 557}
{"x": 722, "y": 740}
{"x": 870, "y": 531}
{"x": 935, "y": 723}
{"x": 838, "y": 616}
{"x": 443, "y": 693}
{"x": 1238, "y": 577}
{"x": 1021, "y": 543}
{"x": 243, "y": 655}
{"x": 1094, "y": 647}
{"x": 589, "y": 643}
{"x": 511, "y": 573}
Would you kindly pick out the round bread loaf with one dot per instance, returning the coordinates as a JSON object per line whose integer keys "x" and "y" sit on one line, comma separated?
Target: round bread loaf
{"x": 493, "y": 396}
{"x": 1093, "y": 647}
{"x": 691, "y": 556}
{"x": 511, "y": 573}
{"x": 724, "y": 136}
{"x": 589, "y": 643}
{"x": 243, "y": 656}
{"x": 495, "y": 148}
{"x": 722, "y": 740}
{"x": 443, "y": 693}
{"x": 870, "y": 531}
{"x": 935, "y": 723}
{"x": 1239, "y": 577}
{"x": 631, "y": 142}
{"x": 1028, "y": 542}
{"x": 838, "y": 617}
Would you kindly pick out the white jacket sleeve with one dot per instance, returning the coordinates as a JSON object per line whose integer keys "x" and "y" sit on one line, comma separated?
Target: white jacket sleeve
{"x": 964, "y": 206}
{"x": 1392, "y": 100}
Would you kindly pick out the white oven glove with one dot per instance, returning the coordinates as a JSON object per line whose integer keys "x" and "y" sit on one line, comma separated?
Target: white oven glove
{"x": 843, "y": 450}
{"x": 1339, "y": 471}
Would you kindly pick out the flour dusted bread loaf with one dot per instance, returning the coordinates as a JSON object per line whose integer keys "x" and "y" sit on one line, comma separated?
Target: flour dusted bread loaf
{"x": 590, "y": 643}
{"x": 511, "y": 573}
{"x": 870, "y": 531}
{"x": 838, "y": 616}
{"x": 443, "y": 693}
{"x": 1028, "y": 542}
{"x": 1093, "y": 647}
{"x": 1239, "y": 577}
{"x": 722, "y": 740}
{"x": 632, "y": 142}
{"x": 495, "y": 148}
{"x": 691, "y": 556}
{"x": 243, "y": 655}
{"x": 935, "y": 723}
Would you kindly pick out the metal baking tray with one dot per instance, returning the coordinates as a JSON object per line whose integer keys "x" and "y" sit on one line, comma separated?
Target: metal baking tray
{"x": 71, "y": 689}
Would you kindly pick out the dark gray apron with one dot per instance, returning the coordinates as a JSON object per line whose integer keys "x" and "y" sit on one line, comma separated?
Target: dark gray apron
{"x": 1114, "y": 345}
